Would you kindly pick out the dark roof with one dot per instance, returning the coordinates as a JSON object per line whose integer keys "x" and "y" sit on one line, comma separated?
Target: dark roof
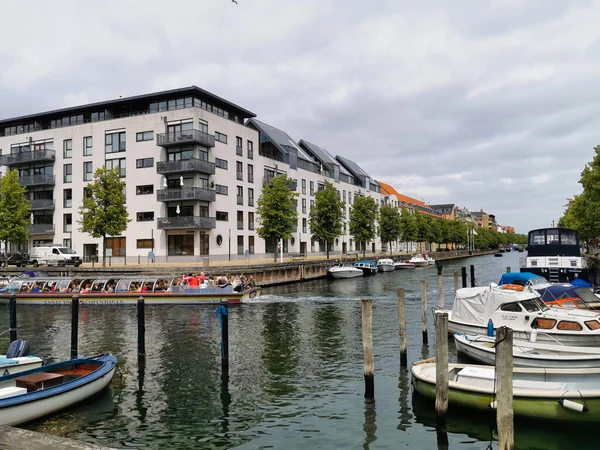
{"x": 353, "y": 168}
{"x": 148, "y": 98}
{"x": 280, "y": 138}
{"x": 320, "y": 154}
{"x": 449, "y": 206}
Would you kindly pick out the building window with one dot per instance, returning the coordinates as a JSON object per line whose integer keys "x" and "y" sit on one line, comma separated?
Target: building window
{"x": 250, "y": 150}
{"x": 240, "y": 220}
{"x": 222, "y": 215}
{"x": 145, "y": 243}
{"x": 304, "y": 224}
{"x": 87, "y": 146}
{"x": 220, "y": 189}
{"x": 312, "y": 203}
{"x": 303, "y": 206}
{"x": 144, "y": 189}
{"x": 240, "y": 245}
{"x": 145, "y": 216}
{"x": 344, "y": 196}
{"x": 67, "y": 173}
{"x": 250, "y": 173}
{"x": 115, "y": 246}
{"x": 251, "y": 245}
{"x": 114, "y": 142}
{"x": 68, "y": 198}
{"x": 97, "y": 116}
{"x": 240, "y": 195}
{"x": 142, "y": 163}
{"x": 221, "y": 137}
{"x": 68, "y": 148}
{"x": 312, "y": 188}
{"x": 67, "y": 223}
{"x": 67, "y": 243}
{"x": 238, "y": 146}
{"x": 117, "y": 164}
{"x": 144, "y": 136}
{"x": 203, "y": 126}
{"x": 181, "y": 244}
{"x": 303, "y": 186}
{"x": 219, "y": 240}
{"x": 250, "y": 197}
{"x": 251, "y": 221}
{"x": 221, "y": 163}
{"x": 239, "y": 170}
{"x": 349, "y": 197}
{"x": 88, "y": 173}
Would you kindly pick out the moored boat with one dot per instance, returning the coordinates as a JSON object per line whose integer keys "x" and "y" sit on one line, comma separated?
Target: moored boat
{"x": 403, "y": 264}
{"x": 344, "y": 271}
{"x": 419, "y": 261}
{"x": 36, "y": 393}
{"x": 368, "y": 267}
{"x": 385, "y": 265}
{"x": 18, "y": 359}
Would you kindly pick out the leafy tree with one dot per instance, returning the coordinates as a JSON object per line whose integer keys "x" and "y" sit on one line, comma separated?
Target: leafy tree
{"x": 103, "y": 212}
{"x": 408, "y": 226}
{"x": 362, "y": 220}
{"x": 389, "y": 224}
{"x": 326, "y": 217}
{"x": 14, "y": 210}
{"x": 423, "y": 228}
{"x": 275, "y": 210}
{"x": 436, "y": 231}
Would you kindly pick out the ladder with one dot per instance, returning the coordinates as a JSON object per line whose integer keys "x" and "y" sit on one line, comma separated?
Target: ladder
{"x": 553, "y": 275}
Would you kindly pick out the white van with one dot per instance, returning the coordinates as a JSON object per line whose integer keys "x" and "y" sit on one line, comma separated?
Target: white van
{"x": 53, "y": 255}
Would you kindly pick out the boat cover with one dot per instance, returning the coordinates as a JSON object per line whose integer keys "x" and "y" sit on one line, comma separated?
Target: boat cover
{"x": 578, "y": 282}
{"x": 520, "y": 278}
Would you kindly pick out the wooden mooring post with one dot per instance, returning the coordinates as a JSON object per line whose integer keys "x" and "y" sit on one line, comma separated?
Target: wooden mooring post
{"x": 508, "y": 269}
{"x": 223, "y": 314}
{"x": 367, "y": 339}
{"x": 472, "y": 275}
{"x": 74, "y": 325}
{"x": 141, "y": 326}
{"x": 12, "y": 318}
{"x": 402, "y": 326}
{"x": 504, "y": 395}
{"x": 424, "y": 310}
{"x": 455, "y": 282}
{"x": 464, "y": 276}
{"x": 440, "y": 285}
{"x": 441, "y": 366}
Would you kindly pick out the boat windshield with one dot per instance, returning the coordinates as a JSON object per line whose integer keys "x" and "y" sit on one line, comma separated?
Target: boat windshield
{"x": 536, "y": 281}
{"x": 533, "y": 305}
{"x": 14, "y": 286}
{"x": 586, "y": 295}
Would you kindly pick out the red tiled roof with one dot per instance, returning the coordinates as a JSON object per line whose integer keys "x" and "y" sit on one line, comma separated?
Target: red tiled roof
{"x": 386, "y": 189}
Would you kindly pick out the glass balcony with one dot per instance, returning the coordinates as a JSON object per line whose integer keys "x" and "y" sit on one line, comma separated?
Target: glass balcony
{"x": 36, "y": 180}
{"x": 185, "y": 137}
{"x": 185, "y": 165}
{"x": 181, "y": 222}
{"x": 293, "y": 184}
{"x": 186, "y": 193}
{"x": 39, "y": 204}
{"x": 41, "y": 228}
{"x": 13, "y": 159}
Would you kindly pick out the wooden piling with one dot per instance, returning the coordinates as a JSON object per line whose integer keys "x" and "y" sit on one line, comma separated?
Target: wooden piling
{"x": 424, "y": 310}
{"x": 367, "y": 338}
{"x": 464, "y": 276}
{"x": 12, "y": 318}
{"x": 440, "y": 286}
{"x": 441, "y": 365}
{"x": 402, "y": 326}
{"x": 472, "y": 275}
{"x": 455, "y": 282}
{"x": 504, "y": 382}
{"x": 223, "y": 314}
{"x": 141, "y": 326}
{"x": 74, "y": 325}
{"x": 508, "y": 269}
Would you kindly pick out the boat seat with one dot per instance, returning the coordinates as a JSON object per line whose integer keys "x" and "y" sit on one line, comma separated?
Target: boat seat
{"x": 12, "y": 391}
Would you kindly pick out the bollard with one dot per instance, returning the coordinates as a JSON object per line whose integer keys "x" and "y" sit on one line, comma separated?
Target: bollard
{"x": 472, "y": 275}
{"x": 367, "y": 338}
{"x": 508, "y": 269}
{"x": 464, "y": 276}
{"x": 402, "y": 326}
{"x": 223, "y": 313}
{"x": 12, "y": 318}
{"x": 138, "y": 260}
{"x": 455, "y": 282}
{"x": 141, "y": 326}
{"x": 504, "y": 395}
{"x": 440, "y": 286}
{"x": 441, "y": 366}
{"x": 424, "y": 310}
{"x": 74, "y": 325}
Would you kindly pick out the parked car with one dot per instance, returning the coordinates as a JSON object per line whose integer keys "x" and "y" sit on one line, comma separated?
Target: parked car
{"x": 14, "y": 259}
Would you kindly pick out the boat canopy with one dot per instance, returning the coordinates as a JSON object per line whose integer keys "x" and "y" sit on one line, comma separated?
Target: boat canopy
{"x": 522, "y": 279}
{"x": 558, "y": 291}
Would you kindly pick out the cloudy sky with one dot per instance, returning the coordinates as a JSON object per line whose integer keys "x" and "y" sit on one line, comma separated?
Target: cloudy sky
{"x": 491, "y": 105}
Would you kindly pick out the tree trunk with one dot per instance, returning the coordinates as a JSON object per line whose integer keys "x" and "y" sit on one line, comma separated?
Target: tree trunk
{"x": 364, "y": 248}
{"x": 327, "y": 248}
{"x": 103, "y": 250}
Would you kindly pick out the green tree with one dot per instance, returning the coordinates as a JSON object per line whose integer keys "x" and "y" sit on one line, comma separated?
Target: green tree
{"x": 326, "y": 216}
{"x": 14, "y": 210}
{"x": 389, "y": 224}
{"x": 436, "y": 233}
{"x": 423, "y": 228}
{"x": 275, "y": 210}
{"x": 103, "y": 211}
{"x": 363, "y": 218}
{"x": 408, "y": 226}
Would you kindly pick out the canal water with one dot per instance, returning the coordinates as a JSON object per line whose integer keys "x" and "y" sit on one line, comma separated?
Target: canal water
{"x": 295, "y": 377}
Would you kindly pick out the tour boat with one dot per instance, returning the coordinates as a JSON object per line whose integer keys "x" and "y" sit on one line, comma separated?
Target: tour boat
{"x": 419, "y": 261}
{"x": 344, "y": 271}
{"x": 35, "y": 393}
{"x": 571, "y": 395}
{"x": 115, "y": 291}
{"x": 403, "y": 264}
{"x": 476, "y": 309}
{"x": 528, "y": 354}
{"x": 385, "y": 265}
{"x": 368, "y": 267}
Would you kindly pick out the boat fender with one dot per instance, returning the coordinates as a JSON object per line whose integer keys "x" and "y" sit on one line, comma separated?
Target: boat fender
{"x": 18, "y": 348}
{"x": 533, "y": 335}
{"x": 512, "y": 287}
{"x": 494, "y": 405}
{"x": 569, "y": 404}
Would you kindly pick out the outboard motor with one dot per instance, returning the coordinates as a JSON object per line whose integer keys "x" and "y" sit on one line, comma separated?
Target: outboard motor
{"x": 18, "y": 349}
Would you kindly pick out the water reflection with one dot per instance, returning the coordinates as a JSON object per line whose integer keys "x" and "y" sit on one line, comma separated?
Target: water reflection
{"x": 370, "y": 426}
{"x": 139, "y": 395}
{"x": 404, "y": 414}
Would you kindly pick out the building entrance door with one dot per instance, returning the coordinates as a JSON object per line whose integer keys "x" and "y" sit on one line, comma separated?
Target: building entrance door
{"x": 90, "y": 252}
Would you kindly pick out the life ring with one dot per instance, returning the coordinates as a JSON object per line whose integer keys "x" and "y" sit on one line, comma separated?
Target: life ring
{"x": 513, "y": 287}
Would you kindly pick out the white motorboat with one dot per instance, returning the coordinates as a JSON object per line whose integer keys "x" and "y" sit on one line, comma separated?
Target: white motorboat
{"x": 385, "y": 265}
{"x": 368, "y": 267}
{"x": 429, "y": 259}
{"x": 419, "y": 261}
{"x": 528, "y": 354}
{"x": 9, "y": 366}
{"x": 403, "y": 264}
{"x": 344, "y": 271}
{"x": 523, "y": 311}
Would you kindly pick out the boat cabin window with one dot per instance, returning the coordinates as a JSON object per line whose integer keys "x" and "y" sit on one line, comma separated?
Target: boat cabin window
{"x": 512, "y": 307}
{"x": 98, "y": 286}
{"x": 50, "y": 285}
{"x": 551, "y": 237}
{"x": 61, "y": 286}
{"x": 533, "y": 305}
{"x": 162, "y": 285}
{"x": 14, "y": 286}
{"x": 123, "y": 285}
{"x": 148, "y": 286}
{"x": 569, "y": 326}
{"x": 568, "y": 237}
{"x": 592, "y": 324}
{"x": 136, "y": 286}
{"x": 543, "y": 324}
{"x": 586, "y": 295}
{"x": 537, "y": 237}
{"x": 74, "y": 285}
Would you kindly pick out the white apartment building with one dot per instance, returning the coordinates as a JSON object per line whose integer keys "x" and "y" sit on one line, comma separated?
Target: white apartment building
{"x": 194, "y": 166}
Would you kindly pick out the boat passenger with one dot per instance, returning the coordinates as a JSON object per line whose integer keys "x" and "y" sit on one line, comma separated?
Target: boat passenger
{"x": 193, "y": 282}
{"x": 251, "y": 282}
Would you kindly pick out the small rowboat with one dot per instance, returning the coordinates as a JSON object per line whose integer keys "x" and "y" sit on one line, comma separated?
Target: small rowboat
{"x": 35, "y": 393}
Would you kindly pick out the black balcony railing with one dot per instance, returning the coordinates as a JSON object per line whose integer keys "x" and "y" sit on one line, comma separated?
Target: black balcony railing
{"x": 185, "y": 137}
{"x": 36, "y": 180}
{"x": 25, "y": 157}
{"x": 43, "y": 203}
{"x": 41, "y": 228}
{"x": 180, "y": 222}
{"x": 186, "y": 165}
{"x": 186, "y": 193}
{"x": 292, "y": 186}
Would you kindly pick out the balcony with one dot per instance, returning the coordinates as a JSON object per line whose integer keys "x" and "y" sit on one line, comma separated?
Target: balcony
{"x": 41, "y": 228}
{"x": 181, "y": 222}
{"x": 185, "y": 165}
{"x": 185, "y": 137}
{"x": 36, "y": 180}
{"x": 186, "y": 193}
{"x": 39, "y": 204}
{"x": 293, "y": 184}
{"x": 14, "y": 159}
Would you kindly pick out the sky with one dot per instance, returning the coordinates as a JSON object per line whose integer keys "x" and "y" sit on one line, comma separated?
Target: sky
{"x": 490, "y": 105}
